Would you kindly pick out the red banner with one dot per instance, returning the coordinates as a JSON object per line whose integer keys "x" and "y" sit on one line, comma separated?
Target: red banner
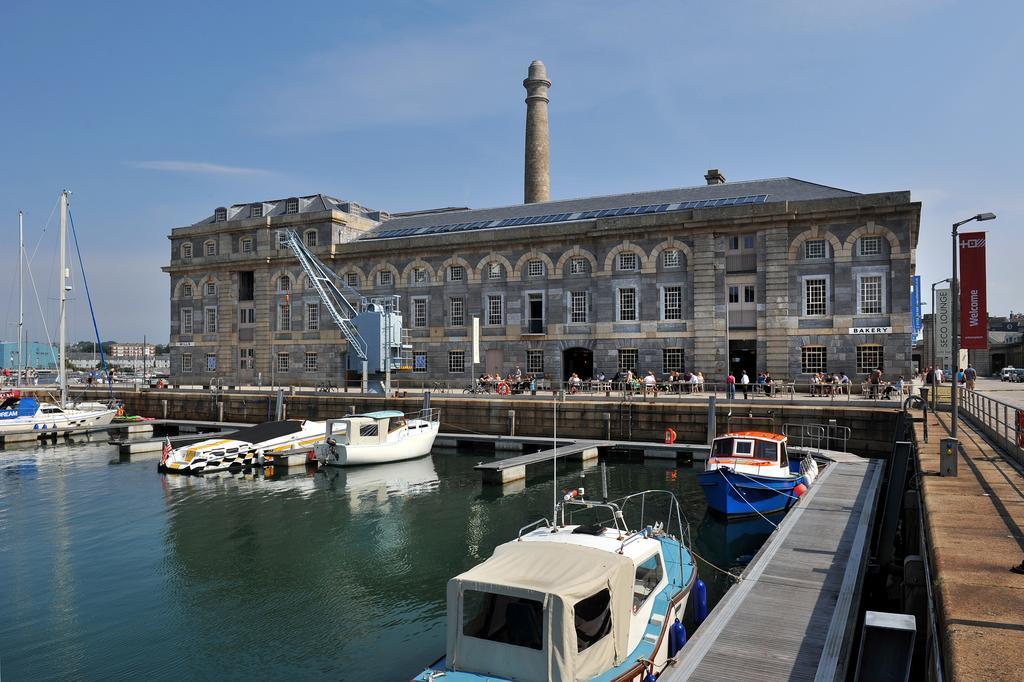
{"x": 973, "y": 307}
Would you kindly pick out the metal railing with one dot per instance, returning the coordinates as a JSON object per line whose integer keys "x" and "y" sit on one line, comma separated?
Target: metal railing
{"x": 1000, "y": 421}
{"x": 814, "y": 435}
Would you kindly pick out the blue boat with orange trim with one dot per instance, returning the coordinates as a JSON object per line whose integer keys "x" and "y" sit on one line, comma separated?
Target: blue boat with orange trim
{"x": 750, "y": 472}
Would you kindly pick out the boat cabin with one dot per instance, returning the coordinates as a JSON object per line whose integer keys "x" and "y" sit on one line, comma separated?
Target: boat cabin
{"x": 371, "y": 428}
{"x": 751, "y": 447}
{"x": 563, "y": 605}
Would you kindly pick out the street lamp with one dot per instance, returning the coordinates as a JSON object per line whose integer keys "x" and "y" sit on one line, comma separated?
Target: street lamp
{"x": 955, "y": 294}
{"x": 934, "y": 333}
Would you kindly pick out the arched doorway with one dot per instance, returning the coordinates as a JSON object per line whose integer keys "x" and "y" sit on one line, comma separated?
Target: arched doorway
{"x": 578, "y": 360}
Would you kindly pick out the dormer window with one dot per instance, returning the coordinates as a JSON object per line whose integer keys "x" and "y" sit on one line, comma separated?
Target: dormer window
{"x": 291, "y": 206}
{"x": 186, "y": 251}
{"x": 256, "y": 211}
{"x": 220, "y": 215}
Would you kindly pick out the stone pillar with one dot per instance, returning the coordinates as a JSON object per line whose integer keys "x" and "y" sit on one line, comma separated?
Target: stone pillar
{"x": 778, "y": 320}
{"x": 537, "y": 178}
{"x": 710, "y": 348}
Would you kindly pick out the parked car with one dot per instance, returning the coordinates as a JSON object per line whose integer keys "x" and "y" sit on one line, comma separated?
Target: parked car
{"x": 1005, "y": 374}
{"x": 1017, "y": 376}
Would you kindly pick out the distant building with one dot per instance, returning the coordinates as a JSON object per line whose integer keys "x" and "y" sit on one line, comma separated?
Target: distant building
{"x": 131, "y": 350}
{"x": 38, "y": 355}
{"x": 783, "y": 275}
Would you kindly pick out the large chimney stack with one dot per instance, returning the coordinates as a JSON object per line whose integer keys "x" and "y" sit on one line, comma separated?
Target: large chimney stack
{"x": 537, "y": 179}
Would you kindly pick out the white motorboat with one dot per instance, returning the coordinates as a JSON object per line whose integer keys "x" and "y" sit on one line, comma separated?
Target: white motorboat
{"x": 25, "y": 418}
{"x": 242, "y": 449}
{"x": 573, "y": 602}
{"x": 378, "y": 437}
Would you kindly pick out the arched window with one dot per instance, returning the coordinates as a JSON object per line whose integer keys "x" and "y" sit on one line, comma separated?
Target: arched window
{"x": 186, "y": 251}
{"x": 210, "y": 248}
{"x": 284, "y": 284}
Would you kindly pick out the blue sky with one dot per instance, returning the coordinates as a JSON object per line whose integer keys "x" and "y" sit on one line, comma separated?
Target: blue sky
{"x": 155, "y": 114}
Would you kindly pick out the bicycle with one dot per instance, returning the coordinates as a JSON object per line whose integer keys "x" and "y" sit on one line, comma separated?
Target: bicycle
{"x": 476, "y": 389}
{"x": 326, "y": 387}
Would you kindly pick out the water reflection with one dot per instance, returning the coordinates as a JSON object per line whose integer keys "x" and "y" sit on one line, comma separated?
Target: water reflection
{"x": 115, "y": 571}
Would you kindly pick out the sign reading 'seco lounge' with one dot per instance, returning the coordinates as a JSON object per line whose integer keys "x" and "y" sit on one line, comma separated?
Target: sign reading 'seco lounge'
{"x": 871, "y": 330}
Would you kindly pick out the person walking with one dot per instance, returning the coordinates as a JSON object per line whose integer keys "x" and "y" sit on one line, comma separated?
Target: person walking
{"x": 745, "y": 385}
{"x": 972, "y": 375}
{"x": 730, "y": 387}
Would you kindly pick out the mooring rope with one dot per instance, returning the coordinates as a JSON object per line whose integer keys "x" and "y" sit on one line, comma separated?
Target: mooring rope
{"x": 774, "y": 490}
{"x": 726, "y": 479}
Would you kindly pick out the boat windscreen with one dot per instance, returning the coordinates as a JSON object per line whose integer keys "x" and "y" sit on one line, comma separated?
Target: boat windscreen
{"x": 267, "y": 431}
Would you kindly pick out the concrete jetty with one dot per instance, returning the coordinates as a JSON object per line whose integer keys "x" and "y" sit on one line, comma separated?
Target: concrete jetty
{"x": 975, "y": 528}
{"x": 793, "y": 613}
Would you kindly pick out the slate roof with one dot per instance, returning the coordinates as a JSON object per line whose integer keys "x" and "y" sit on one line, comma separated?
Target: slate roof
{"x": 312, "y": 203}
{"x": 745, "y": 192}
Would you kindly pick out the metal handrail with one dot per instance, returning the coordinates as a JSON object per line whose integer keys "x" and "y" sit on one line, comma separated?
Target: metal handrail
{"x": 536, "y": 523}
{"x": 1001, "y": 420}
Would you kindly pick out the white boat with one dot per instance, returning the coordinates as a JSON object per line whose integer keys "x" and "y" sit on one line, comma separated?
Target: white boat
{"x": 573, "y": 602}
{"x": 378, "y": 437}
{"x": 25, "y": 418}
{"x": 242, "y": 449}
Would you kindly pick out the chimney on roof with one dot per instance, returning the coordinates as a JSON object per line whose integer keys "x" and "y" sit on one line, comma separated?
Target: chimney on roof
{"x": 537, "y": 176}
{"x": 715, "y": 177}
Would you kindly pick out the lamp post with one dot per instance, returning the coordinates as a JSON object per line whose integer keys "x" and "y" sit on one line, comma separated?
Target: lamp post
{"x": 934, "y": 333}
{"x": 955, "y": 294}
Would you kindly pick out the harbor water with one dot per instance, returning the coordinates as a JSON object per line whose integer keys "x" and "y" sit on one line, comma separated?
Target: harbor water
{"x": 111, "y": 570}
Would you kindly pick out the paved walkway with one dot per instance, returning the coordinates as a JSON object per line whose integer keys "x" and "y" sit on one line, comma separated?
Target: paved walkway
{"x": 975, "y": 525}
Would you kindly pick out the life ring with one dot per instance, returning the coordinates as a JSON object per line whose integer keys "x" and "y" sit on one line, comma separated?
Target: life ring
{"x": 670, "y": 436}
{"x": 120, "y": 411}
{"x": 504, "y": 388}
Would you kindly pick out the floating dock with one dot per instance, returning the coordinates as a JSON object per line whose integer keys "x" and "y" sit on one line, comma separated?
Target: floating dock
{"x": 793, "y": 613}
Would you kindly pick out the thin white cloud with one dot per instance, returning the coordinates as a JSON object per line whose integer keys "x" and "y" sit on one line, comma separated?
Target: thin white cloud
{"x": 197, "y": 167}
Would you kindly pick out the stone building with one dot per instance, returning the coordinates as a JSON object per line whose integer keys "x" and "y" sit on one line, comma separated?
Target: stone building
{"x": 781, "y": 275}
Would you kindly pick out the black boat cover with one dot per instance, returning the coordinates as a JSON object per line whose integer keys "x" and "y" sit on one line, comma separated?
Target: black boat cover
{"x": 267, "y": 431}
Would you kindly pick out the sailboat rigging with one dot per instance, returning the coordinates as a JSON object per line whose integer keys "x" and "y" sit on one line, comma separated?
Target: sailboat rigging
{"x": 26, "y": 418}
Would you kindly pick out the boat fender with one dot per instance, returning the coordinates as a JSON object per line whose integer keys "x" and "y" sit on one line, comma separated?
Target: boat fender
{"x": 676, "y": 638}
{"x": 650, "y": 676}
{"x": 700, "y": 604}
{"x": 799, "y": 490}
{"x": 311, "y": 456}
{"x": 670, "y": 436}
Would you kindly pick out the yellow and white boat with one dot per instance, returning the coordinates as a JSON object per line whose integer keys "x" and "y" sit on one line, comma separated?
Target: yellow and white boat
{"x": 243, "y": 449}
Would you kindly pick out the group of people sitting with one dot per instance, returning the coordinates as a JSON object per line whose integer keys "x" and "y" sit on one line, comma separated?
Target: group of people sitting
{"x": 513, "y": 382}
{"x": 831, "y": 383}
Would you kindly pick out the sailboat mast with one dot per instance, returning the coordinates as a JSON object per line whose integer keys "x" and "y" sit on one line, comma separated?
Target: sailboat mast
{"x": 62, "y": 280}
{"x": 21, "y": 298}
